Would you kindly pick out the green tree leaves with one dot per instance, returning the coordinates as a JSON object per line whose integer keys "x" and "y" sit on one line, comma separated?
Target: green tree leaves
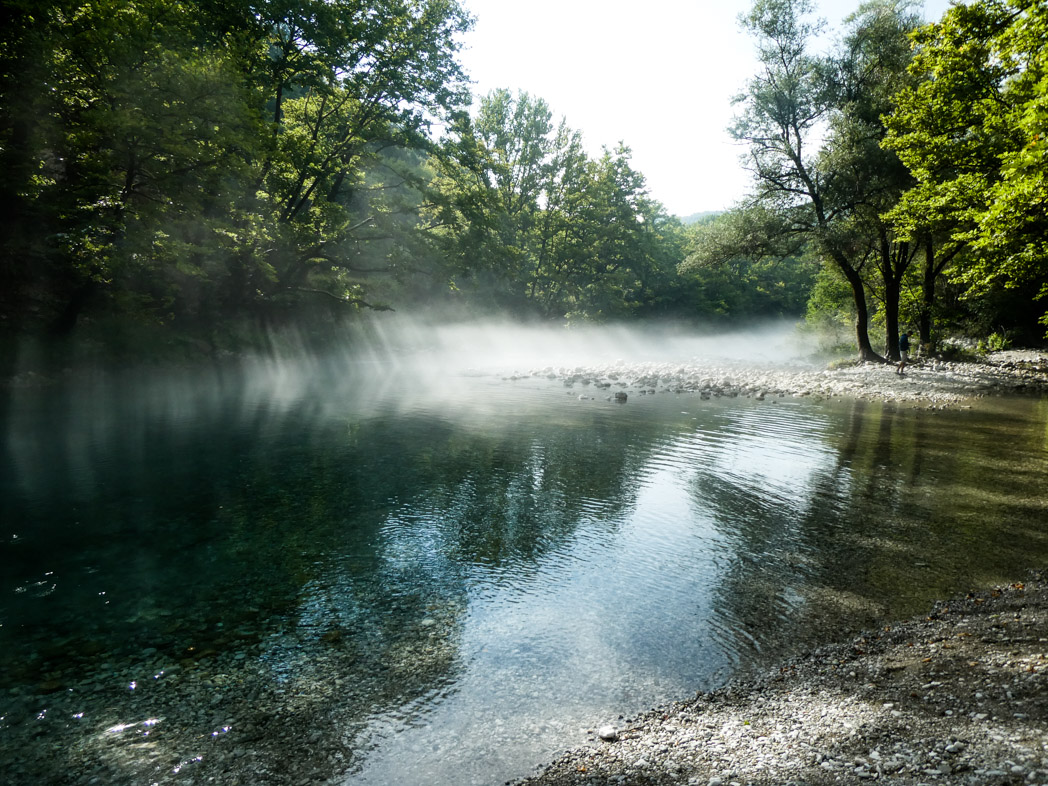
{"x": 197, "y": 158}
{"x": 807, "y": 123}
{"x": 539, "y": 227}
{"x": 972, "y": 134}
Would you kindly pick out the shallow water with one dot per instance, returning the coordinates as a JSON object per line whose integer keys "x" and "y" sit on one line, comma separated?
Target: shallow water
{"x": 349, "y": 573}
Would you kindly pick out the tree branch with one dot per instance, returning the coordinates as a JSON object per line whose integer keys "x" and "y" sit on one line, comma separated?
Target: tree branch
{"x": 349, "y": 301}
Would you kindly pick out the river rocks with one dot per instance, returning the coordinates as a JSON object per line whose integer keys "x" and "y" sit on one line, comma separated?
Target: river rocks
{"x": 958, "y": 697}
{"x": 608, "y": 733}
{"x": 273, "y": 704}
{"x": 931, "y": 383}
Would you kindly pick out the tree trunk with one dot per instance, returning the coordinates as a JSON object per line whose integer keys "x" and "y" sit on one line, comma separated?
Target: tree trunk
{"x": 924, "y": 324}
{"x": 862, "y": 312}
{"x": 64, "y": 323}
{"x": 862, "y": 315}
{"x": 895, "y": 260}
{"x": 892, "y": 289}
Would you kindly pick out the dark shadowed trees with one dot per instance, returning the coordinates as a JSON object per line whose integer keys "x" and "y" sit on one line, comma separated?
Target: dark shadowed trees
{"x": 198, "y": 159}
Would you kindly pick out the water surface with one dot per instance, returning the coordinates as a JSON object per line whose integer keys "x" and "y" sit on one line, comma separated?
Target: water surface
{"x": 348, "y": 572}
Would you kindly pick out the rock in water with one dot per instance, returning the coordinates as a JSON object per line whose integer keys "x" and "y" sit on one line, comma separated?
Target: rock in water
{"x": 621, "y": 396}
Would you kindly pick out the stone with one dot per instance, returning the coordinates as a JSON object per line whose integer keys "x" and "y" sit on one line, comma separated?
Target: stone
{"x": 608, "y": 733}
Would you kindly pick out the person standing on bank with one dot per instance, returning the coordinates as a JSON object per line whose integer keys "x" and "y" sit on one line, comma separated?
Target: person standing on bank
{"x": 904, "y": 351}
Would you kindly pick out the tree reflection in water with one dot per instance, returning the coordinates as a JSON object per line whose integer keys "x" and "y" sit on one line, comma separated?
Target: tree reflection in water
{"x": 345, "y": 560}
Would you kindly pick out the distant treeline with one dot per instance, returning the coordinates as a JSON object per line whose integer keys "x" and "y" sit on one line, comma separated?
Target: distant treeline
{"x": 193, "y": 165}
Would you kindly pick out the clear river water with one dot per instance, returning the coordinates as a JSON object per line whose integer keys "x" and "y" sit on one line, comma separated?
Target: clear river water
{"x": 354, "y": 573}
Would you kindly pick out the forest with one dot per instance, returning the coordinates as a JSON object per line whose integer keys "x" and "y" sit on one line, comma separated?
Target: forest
{"x": 178, "y": 173}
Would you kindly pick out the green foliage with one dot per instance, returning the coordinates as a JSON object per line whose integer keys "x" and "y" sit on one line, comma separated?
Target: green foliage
{"x": 813, "y": 127}
{"x": 995, "y": 342}
{"x": 972, "y": 133}
{"x": 743, "y": 266}
{"x": 191, "y": 162}
{"x": 196, "y": 159}
{"x": 830, "y": 302}
{"x": 535, "y": 226}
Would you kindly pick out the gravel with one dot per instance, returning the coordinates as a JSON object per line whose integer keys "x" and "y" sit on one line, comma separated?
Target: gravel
{"x": 958, "y": 696}
{"x": 926, "y": 382}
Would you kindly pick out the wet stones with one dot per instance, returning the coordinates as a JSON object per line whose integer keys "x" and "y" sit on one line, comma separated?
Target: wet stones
{"x": 848, "y": 714}
{"x": 608, "y": 733}
{"x": 928, "y": 384}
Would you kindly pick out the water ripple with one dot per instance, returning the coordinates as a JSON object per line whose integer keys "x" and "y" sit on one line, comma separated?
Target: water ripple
{"x": 484, "y": 562}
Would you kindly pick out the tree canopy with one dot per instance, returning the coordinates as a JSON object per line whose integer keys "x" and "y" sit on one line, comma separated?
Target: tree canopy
{"x": 971, "y": 130}
{"x": 198, "y": 157}
{"x": 190, "y": 163}
{"x": 812, "y": 124}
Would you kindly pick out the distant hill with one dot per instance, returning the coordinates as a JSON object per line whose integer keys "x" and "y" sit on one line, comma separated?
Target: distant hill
{"x": 695, "y": 218}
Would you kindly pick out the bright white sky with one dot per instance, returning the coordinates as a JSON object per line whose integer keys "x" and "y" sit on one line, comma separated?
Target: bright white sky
{"x": 658, "y": 75}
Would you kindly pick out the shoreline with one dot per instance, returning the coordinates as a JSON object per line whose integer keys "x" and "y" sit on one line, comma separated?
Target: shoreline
{"x": 957, "y": 696}
{"x": 926, "y": 382}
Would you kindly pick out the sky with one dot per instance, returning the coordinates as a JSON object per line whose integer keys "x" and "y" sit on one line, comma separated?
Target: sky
{"x": 658, "y": 75}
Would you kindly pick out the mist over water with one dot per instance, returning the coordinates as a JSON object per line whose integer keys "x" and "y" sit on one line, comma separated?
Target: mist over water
{"x": 396, "y": 359}
{"x": 390, "y": 356}
{"x": 423, "y": 556}
{"x": 496, "y": 346}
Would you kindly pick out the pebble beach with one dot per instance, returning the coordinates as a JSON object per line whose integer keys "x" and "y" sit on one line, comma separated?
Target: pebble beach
{"x": 958, "y": 696}
{"x": 926, "y": 382}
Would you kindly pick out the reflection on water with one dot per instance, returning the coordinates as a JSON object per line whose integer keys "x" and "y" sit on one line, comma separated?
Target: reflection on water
{"x": 347, "y": 574}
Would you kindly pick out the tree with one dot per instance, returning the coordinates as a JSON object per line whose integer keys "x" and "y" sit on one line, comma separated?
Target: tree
{"x": 343, "y": 82}
{"x": 813, "y": 128}
{"x": 971, "y": 131}
{"x": 203, "y": 158}
{"x": 131, "y": 125}
{"x": 539, "y": 227}
{"x": 486, "y": 206}
{"x": 746, "y": 266}
{"x": 26, "y": 44}
{"x": 871, "y": 68}
{"x": 785, "y": 109}
{"x": 559, "y": 234}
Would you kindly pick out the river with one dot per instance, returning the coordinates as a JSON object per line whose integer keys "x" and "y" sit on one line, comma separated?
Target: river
{"x": 344, "y": 572}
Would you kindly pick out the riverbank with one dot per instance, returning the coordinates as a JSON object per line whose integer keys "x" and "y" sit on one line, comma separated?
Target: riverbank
{"x": 926, "y": 382}
{"x": 958, "y": 696}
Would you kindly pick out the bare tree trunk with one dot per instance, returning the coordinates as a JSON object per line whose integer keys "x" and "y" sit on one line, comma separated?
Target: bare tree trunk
{"x": 894, "y": 261}
{"x": 892, "y": 290}
{"x": 924, "y": 322}
{"x": 862, "y": 315}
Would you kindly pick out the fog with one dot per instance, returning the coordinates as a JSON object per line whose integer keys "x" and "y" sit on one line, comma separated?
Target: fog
{"x": 495, "y": 346}
{"x": 392, "y": 356}
{"x": 386, "y": 361}
{"x": 388, "y": 364}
